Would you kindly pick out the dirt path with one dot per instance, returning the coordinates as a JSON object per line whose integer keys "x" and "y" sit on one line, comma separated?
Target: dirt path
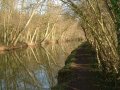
{"x": 81, "y": 73}
{"x": 78, "y": 73}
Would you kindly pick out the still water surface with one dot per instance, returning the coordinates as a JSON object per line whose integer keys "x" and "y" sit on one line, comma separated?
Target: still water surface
{"x": 34, "y": 68}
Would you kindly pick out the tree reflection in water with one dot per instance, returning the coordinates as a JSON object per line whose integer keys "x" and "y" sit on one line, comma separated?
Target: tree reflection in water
{"x": 32, "y": 69}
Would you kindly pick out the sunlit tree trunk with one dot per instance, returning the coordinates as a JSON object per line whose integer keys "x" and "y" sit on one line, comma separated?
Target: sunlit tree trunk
{"x": 114, "y": 6}
{"x": 101, "y": 29}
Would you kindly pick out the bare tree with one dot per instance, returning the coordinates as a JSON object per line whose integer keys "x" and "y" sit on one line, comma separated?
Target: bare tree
{"x": 100, "y": 30}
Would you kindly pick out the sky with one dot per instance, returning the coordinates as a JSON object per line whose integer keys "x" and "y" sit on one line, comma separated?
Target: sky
{"x": 29, "y": 3}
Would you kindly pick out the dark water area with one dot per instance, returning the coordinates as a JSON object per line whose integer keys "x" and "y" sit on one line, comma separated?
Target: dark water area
{"x": 34, "y": 68}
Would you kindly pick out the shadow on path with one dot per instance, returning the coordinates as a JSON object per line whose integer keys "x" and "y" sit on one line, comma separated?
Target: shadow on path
{"x": 80, "y": 71}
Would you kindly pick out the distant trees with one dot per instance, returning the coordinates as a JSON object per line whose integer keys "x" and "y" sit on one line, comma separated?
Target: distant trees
{"x": 33, "y": 21}
{"x": 100, "y": 20}
{"x": 15, "y": 21}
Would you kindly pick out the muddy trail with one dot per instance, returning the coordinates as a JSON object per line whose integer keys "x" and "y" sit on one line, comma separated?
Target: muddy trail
{"x": 81, "y": 72}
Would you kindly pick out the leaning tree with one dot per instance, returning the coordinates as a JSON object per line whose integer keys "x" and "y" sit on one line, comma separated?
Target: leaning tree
{"x": 100, "y": 20}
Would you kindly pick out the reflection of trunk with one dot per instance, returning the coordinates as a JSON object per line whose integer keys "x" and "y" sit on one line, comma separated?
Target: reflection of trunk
{"x": 49, "y": 55}
{"x": 31, "y": 75}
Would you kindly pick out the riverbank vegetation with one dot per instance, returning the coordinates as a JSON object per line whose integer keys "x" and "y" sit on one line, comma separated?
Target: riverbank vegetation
{"x": 34, "y": 22}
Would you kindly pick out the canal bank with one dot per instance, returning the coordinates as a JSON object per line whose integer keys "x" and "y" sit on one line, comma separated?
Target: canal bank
{"x": 81, "y": 72}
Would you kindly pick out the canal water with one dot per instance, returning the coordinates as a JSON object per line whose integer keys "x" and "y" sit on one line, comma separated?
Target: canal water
{"x": 34, "y": 68}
